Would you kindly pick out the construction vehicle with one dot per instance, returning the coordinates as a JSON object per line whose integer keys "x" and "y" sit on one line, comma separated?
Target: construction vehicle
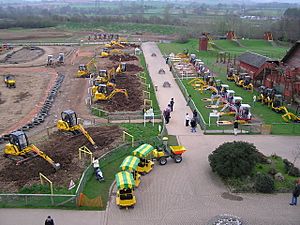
{"x": 61, "y": 58}
{"x": 288, "y": 117}
{"x": 105, "y": 77}
{"x": 20, "y": 150}
{"x": 244, "y": 115}
{"x": 86, "y": 70}
{"x": 50, "y": 60}
{"x": 69, "y": 123}
{"x": 240, "y": 79}
{"x": 114, "y": 44}
{"x": 231, "y": 74}
{"x": 101, "y": 92}
{"x": 10, "y": 81}
{"x": 247, "y": 84}
{"x": 165, "y": 151}
{"x": 107, "y": 52}
{"x": 277, "y": 104}
{"x": 125, "y": 185}
{"x": 183, "y": 55}
{"x": 261, "y": 90}
{"x": 121, "y": 69}
{"x": 268, "y": 96}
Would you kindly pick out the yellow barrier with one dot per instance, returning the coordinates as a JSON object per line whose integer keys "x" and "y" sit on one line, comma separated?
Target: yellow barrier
{"x": 146, "y": 94}
{"x": 84, "y": 150}
{"x": 132, "y": 138}
{"x": 42, "y": 178}
{"x": 147, "y": 102}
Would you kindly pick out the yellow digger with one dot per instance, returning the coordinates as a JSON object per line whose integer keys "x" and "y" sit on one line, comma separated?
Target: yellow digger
{"x": 121, "y": 69}
{"x": 70, "y": 123}
{"x": 105, "y": 77}
{"x": 102, "y": 92}
{"x": 247, "y": 84}
{"x": 240, "y": 79}
{"x": 107, "y": 52}
{"x": 10, "y": 81}
{"x": 114, "y": 44}
{"x": 19, "y": 147}
{"x": 277, "y": 104}
{"x": 85, "y": 70}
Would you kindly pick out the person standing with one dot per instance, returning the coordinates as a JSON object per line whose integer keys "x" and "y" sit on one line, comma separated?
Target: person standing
{"x": 296, "y": 193}
{"x": 49, "y": 221}
{"x": 171, "y": 68}
{"x": 172, "y": 104}
{"x": 187, "y": 119}
{"x": 193, "y": 125}
{"x": 235, "y": 127}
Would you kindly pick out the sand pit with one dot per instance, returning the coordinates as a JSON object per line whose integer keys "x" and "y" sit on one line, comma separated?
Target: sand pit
{"x": 63, "y": 149}
{"x": 25, "y": 54}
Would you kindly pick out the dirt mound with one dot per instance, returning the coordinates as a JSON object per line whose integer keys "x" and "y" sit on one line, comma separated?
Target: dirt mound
{"x": 63, "y": 149}
{"x": 132, "y": 45}
{"x": 133, "y": 68}
{"x": 119, "y": 102}
{"x": 123, "y": 58}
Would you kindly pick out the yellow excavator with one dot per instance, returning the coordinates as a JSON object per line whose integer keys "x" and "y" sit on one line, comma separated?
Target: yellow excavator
{"x": 121, "y": 69}
{"x": 10, "y": 81}
{"x": 247, "y": 83}
{"x": 107, "y": 52}
{"x": 70, "y": 123}
{"x": 114, "y": 44}
{"x": 277, "y": 104}
{"x": 105, "y": 77}
{"x": 102, "y": 92}
{"x": 85, "y": 70}
{"x": 19, "y": 147}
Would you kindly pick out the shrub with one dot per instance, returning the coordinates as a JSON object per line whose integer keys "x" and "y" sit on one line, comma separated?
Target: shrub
{"x": 291, "y": 169}
{"x": 234, "y": 159}
{"x": 264, "y": 183}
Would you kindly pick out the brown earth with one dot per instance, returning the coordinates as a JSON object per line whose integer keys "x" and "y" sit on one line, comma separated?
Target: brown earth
{"x": 123, "y": 58}
{"x": 133, "y": 68}
{"x": 63, "y": 149}
{"x": 24, "y": 54}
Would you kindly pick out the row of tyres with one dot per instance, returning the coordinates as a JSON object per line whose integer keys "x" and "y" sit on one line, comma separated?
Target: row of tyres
{"x": 44, "y": 111}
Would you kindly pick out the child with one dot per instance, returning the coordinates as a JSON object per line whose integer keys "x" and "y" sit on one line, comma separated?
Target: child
{"x": 193, "y": 125}
{"x": 187, "y": 119}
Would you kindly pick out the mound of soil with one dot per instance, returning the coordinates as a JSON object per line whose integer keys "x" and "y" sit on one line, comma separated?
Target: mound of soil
{"x": 132, "y": 45}
{"x": 119, "y": 102}
{"x": 63, "y": 149}
{"x": 133, "y": 68}
{"x": 123, "y": 58}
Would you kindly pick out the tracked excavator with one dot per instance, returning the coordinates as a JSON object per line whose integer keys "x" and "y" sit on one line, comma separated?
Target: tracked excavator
{"x": 102, "y": 92}
{"x": 114, "y": 44}
{"x": 69, "y": 123}
{"x": 107, "y": 52}
{"x": 10, "y": 81}
{"x": 20, "y": 150}
{"x": 85, "y": 70}
{"x": 121, "y": 69}
{"x": 105, "y": 77}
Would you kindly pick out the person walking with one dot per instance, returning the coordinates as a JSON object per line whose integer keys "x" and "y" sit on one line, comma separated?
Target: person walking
{"x": 235, "y": 127}
{"x": 187, "y": 119}
{"x": 172, "y": 104}
{"x": 171, "y": 68}
{"x": 49, "y": 221}
{"x": 189, "y": 100}
{"x": 296, "y": 193}
{"x": 193, "y": 125}
{"x": 167, "y": 116}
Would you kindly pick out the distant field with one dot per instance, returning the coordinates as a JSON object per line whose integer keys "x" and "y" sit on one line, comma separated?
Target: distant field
{"x": 125, "y": 27}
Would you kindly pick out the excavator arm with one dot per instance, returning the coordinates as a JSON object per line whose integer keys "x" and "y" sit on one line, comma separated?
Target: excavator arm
{"x": 87, "y": 135}
{"x": 115, "y": 91}
{"x": 43, "y": 155}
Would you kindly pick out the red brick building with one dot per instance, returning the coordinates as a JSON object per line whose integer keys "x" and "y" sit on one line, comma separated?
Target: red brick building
{"x": 284, "y": 75}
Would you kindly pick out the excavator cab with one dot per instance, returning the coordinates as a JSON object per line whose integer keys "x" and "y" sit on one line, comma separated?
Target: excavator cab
{"x": 19, "y": 146}
{"x": 241, "y": 79}
{"x": 121, "y": 68}
{"x": 70, "y": 117}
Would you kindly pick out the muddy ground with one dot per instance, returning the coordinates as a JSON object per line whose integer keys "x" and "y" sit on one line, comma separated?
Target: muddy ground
{"x": 22, "y": 55}
{"x": 129, "y": 81}
{"x": 63, "y": 149}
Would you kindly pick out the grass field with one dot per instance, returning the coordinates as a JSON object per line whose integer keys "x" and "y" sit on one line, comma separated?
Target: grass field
{"x": 124, "y": 27}
{"x": 261, "y": 112}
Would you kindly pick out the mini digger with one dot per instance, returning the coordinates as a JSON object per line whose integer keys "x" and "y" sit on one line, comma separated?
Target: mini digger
{"x": 10, "y": 81}
{"x": 102, "y": 92}
{"x": 277, "y": 104}
{"x": 121, "y": 69}
{"x": 20, "y": 150}
{"x": 69, "y": 123}
{"x": 85, "y": 70}
{"x": 105, "y": 77}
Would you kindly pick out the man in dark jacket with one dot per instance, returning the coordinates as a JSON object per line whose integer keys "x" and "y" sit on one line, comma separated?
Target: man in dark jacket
{"x": 49, "y": 221}
{"x": 296, "y": 194}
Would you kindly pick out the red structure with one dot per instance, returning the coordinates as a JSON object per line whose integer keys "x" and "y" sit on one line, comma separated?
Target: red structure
{"x": 283, "y": 76}
{"x": 230, "y": 35}
{"x": 203, "y": 43}
{"x": 268, "y": 36}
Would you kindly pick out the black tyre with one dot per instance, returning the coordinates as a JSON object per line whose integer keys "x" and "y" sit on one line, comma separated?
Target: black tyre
{"x": 177, "y": 158}
{"x": 6, "y": 137}
{"x": 162, "y": 161}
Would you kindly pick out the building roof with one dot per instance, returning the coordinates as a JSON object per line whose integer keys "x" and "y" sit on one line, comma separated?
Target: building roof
{"x": 292, "y": 57}
{"x": 253, "y": 59}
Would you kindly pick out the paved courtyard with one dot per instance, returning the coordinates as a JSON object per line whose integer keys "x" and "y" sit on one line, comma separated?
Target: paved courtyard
{"x": 186, "y": 193}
